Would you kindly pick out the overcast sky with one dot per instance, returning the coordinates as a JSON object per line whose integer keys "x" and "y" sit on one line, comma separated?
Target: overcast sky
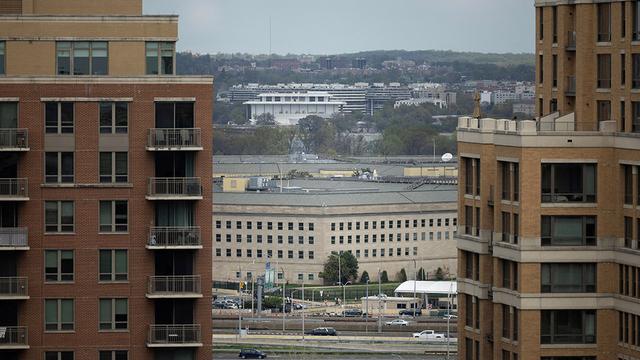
{"x": 344, "y": 26}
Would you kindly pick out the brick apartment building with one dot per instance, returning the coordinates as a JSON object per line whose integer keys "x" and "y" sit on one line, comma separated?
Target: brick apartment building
{"x": 549, "y": 250}
{"x": 105, "y": 197}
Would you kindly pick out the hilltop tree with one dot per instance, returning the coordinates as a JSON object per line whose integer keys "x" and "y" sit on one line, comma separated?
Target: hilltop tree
{"x": 348, "y": 269}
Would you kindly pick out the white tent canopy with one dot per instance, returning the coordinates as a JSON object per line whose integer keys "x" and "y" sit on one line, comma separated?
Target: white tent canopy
{"x": 428, "y": 287}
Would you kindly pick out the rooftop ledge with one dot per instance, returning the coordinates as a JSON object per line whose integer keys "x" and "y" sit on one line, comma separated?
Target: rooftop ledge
{"x": 90, "y": 79}
{"x": 91, "y": 18}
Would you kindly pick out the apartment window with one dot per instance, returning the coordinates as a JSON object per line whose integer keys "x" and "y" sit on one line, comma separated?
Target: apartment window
{"x": 228, "y": 252}
{"x": 160, "y": 58}
{"x": 311, "y": 226}
{"x": 541, "y": 23}
{"x": 82, "y": 57}
{"x": 311, "y": 255}
{"x": 468, "y": 220}
{"x": 2, "y": 58}
{"x": 623, "y": 69}
{"x": 59, "y": 314}
{"x": 635, "y": 119}
{"x": 568, "y": 327}
{"x": 506, "y": 180}
{"x": 114, "y": 265}
{"x": 604, "y": 22}
{"x": 623, "y": 22}
{"x": 623, "y": 115}
{"x": 238, "y": 252}
{"x": 628, "y": 232}
{"x": 290, "y": 226}
{"x": 114, "y": 167}
{"x": 506, "y": 323}
{"x": 114, "y": 117}
{"x": 59, "y": 355}
{"x": 568, "y": 278}
{"x": 468, "y": 176}
{"x": 568, "y": 230}
{"x": 113, "y": 355}
{"x": 290, "y": 254}
{"x": 604, "y": 110}
{"x": 59, "y": 216}
{"x": 554, "y": 60}
{"x": 59, "y": 167}
{"x": 477, "y": 228}
{"x": 541, "y": 70}
{"x": 58, "y": 265}
{"x": 59, "y": 117}
{"x": 516, "y": 226}
{"x": 114, "y": 314}
{"x": 114, "y": 216}
{"x": 635, "y": 7}
{"x": 218, "y": 252}
{"x": 506, "y": 226}
{"x": 269, "y": 225}
{"x": 569, "y": 183}
{"x": 259, "y": 225}
{"x": 506, "y": 274}
{"x": 604, "y": 71}
{"x": 468, "y": 310}
{"x": 555, "y": 24}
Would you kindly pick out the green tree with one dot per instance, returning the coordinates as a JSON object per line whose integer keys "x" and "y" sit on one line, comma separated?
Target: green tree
{"x": 402, "y": 275}
{"x": 364, "y": 277}
{"x": 317, "y": 134}
{"x": 265, "y": 119}
{"x": 347, "y": 267}
{"x": 272, "y": 302}
{"x": 384, "y": 277}
{"x": 439, "y": 274}
{"x": 421, "y": 275}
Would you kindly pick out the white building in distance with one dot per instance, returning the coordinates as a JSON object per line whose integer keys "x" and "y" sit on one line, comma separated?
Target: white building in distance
{"x": 289, "y": 108}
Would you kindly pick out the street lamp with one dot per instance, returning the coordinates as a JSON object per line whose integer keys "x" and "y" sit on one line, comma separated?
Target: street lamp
{"x": 415, "y": 280}
{"x": 379, "y": 302}
{"x": 366, "y": 314}
{"x": 449, "y": 298}
{"x": 284, "y": 308}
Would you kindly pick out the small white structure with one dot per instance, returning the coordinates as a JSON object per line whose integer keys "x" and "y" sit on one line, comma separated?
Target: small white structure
{"x": 430, "y": 291}
{"x": 388, "y": 305}
{"x": 289, "y": 108}
{"x": 442, "y": 104}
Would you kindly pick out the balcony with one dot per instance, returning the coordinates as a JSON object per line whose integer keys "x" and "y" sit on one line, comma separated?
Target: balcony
{"x": 174, "y": 140}
{"x": 13, "y": 288}
{"x": 14, "y": 140}
{"x": 14, "y": 189}
{"x": 176, "y": 286}
{"x": 13, "y": 338}
{"x": 174, "y": 237}
{"x": 571, "y": 86}
{"x": 12, "y": 239}
{"x": 571, "y": 41}
{"x": 174, "y": 189}
{"x": 174, "y": 336}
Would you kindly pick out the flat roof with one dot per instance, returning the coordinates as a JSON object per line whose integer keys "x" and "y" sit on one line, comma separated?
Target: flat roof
{"x": 427, "y": 287}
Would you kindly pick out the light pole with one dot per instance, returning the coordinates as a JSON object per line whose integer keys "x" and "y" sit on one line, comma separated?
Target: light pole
{"x": 366, "y": 314}
{"x": 241, "y": 302}
{"x": 415, "y": 280}
{"x": 302, "y": 308}
{"x": 379, "y": 302}
{"x": 284, "y": 307}
{"x": 449, "y": 298}
{"x": 340, "y": 280}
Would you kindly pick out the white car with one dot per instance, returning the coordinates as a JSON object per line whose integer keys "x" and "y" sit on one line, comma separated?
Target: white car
{"x": 451, "y": 317}
{"x": 397, "y": 322}
{"x": 429, "y": 335}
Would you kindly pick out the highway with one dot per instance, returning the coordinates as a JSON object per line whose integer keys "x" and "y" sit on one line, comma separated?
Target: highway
{"x": 301, "y": 356}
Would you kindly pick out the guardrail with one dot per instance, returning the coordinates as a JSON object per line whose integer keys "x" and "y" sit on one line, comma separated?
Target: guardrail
{"x": 14, "y": 237}
{"x": 174, "y": 236}
{"x": 174, "y": 138}
{"x": 13, "y": 336}
{"x": 174, "y": 187}
{"x": 174, "y": 334}
{"x": 14, "y": 187}
{"x": 175, "y": 285}
{"x": 13, "y": 286}
{"x": 14, "y": 139}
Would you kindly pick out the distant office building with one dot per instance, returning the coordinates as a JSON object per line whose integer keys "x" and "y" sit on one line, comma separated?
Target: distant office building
{"x": 359, "y": 63}
{"x": 416, "y": 102}
{"x": 379, "y": 95}
{"x": 526, "y": 108}
{"x": 328, "y": 63}
{"x": 433, "y": 91}
{"x": 499, "y": 97}
{"x": 385, "y": 226}
{"x": 288, "y": 108}
{"x": 285, "y": 64}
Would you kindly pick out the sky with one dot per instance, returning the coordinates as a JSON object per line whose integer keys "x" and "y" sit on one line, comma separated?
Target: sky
{"x": 344, "y": 26}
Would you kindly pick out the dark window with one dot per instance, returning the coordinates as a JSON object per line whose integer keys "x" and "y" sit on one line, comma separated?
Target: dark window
{"x": 114, "y": 117}
{"x": 568, "y": 231}
{"x": 604, "y": 110}
{"x": 114, "y": 167}
{"x": 623, "y": 69}
{"x": 58, "y": 216}
{"x": 468, "y": 176}
{"x": 628, "y": 184}
{"x": 568, "y": 278}
{"x": 59, "y": 167}
{"x": 58, "y": 265}
{"x": 59, "y": 118}
{"x": 635, "y": 117}
{"x": 174, "y": 115}
{"x": 541, "y": 70}
{"x": 468, "y": 220}
{"x": 604, "y": 71}
{"x": 635, "y": 6}
{"x": 628, "y": 232}
{"x": 604, "y": 22}
{"x": 2, "y": 58}
{"x": 506, "y": 323}
{"x": 59, "y": 355}
{"x": 114, "y": 216}
{"x": 623, "y": 22}
{"x": 569, "y": 182}
{"x": 468, "y": 310}
{"x": 506, "y": 226}
{"x": 506, "y": 180}
{"x": 160, "y": 58}
{"x": 555, "y": 24}
{"x": 554, "y": 60}
{"x": 59, "y": 314}
{"x": 113, "y": 355}
{"x": 568, "y": 327}
{"x": 114, "y": 314}
{"x": 541, "y": 23}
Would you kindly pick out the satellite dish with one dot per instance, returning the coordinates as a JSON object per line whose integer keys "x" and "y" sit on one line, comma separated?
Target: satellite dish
{"x": 447, "y": 157}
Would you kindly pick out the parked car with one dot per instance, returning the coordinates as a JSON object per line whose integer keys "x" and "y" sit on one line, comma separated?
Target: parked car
{"x": 323, "y": 331}
{"x": 397, "y": 322}
{"x": 252, "y": 354}
{"x": 410, "y": 312}
{"x": 429, "y": 335}
{"x": 451, "y": 316}
{"x": 352, "y": 313}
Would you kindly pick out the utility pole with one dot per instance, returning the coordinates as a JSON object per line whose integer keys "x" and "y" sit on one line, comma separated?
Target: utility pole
{"x": 379, "y": 302}
{"x": 415, "y": 280}
{"x": 366, "y": 314}
{"x": 302, "y": 298}
{"x": 340, "y": 280}
{"x": 284, "y": 307}
{"x": 239, "y": 308}
{"x": 449, "y": 298}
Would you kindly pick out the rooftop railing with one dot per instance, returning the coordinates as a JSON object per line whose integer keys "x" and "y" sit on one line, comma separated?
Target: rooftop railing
{"x": 14, "y": 237}
{"x": 14, "y": 139}
{"x": 174, "y": 187}
{"x": 174, "y": 139}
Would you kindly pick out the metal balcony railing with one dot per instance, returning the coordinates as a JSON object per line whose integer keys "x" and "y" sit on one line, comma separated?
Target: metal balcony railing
{"x": 14, "y": 237}
{"x": 174, "y": 285}
{"x": 174, "y": 138}
{"x": 14, "y": 187}
{"x": 174, "y": 236}
{"x": 174, "y": 187}
{"x": 13, "y": 287}
{"x": 571, "y": 41}
{"x": 14, "y": 139}
{"x": 571, "y": 86}
{"x": 13, "y": 336}
{"x": 166, "y": 335}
